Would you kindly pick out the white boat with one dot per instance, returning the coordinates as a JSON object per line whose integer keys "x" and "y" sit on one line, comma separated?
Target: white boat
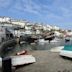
{"x": 20, "y": 60}
{"x": 57, "y": 49}
{"x": 66, "y": 51}
{"x": 55, "y": 40}
{"x": 42, "y": 41}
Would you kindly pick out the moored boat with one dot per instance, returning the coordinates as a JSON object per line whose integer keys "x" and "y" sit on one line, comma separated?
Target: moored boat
{"x": 42, "y": 41}
{"x": 24, "y": 52}
{"x": 66, "y": 51}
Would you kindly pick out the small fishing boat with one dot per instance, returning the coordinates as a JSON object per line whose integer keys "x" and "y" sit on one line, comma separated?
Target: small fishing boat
{"x": 55, "y": 40}
{"x": 20, "y": 60}
{"x": 30, "y": 39}
{"x": 57, "y": 49}
{"x": 42, "y": 41}
{"x": 66, "y": 51}
{"x": 49, "y": 38}
{"x": 67, "y": 39}
{"x": 24, "y": 52}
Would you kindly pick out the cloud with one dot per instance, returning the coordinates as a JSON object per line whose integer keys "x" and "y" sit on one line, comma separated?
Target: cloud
{"x": 57, "y": 8}
{"x": 26, "y": 6}
{"x": 59, "y": 11}
{"x": 67, "y": 13}
{"x": 64, "y": 7}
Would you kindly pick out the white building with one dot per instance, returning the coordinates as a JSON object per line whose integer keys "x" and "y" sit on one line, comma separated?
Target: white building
{"x": 5, "y": 19}
{"x": 69, "y": 33}
{"x": 19, "y": 22}
{"x": 57, "y": 33}
{"x": 55, "y": 28}
{"x": 48, "y": 26}
{"x": 28, "y": 26}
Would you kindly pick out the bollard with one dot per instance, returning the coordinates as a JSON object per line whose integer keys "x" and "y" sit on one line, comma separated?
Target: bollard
{"x": 6, "y": 65}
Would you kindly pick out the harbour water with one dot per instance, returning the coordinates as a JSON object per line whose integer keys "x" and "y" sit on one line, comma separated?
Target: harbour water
{"x": 37, "y": 46}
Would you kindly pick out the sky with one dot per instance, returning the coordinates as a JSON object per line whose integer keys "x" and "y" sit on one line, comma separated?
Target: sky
{"x": 52, "y": 12}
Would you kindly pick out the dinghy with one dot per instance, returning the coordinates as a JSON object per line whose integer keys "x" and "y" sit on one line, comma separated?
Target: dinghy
{"x": 20, "y": 60}
{"x": 42, "y": 41}
{"x": 24, "y": 52}
{"x": 66, "y": 51}
{"x": 57, "y": 49}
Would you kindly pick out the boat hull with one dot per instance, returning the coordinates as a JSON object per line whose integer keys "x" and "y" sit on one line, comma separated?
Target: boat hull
{"x": 66, "y": 53}
{"x": 20, "y": 60}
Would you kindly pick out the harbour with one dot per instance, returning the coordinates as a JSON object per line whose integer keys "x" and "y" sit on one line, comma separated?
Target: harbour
{"x": 36, "y": 46}
{"x": 35, "y": 35}
{"x": 46, "y": 60}
{"x": 33, "y": 48}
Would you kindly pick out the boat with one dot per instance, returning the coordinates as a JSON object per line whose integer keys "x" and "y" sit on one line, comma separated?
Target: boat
{"x": 57, "y": 49}
{"x": 55, "y": 40}
{"x": 42, "y": 41}
{"x": 66, "y": 51}
{"x": 20, "y": 60}
{"x": 67, "y": 39}
{"x": 30, "y": 39}
{"x": 24, "y": 52}
{"x": 49, "y": 37}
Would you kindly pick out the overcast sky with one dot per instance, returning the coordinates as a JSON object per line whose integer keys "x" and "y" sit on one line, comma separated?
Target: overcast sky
{"x": 53, "y": 12}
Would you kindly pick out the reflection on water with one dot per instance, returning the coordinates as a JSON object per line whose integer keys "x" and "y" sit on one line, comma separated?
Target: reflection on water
{"x": 37, "y": 46}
